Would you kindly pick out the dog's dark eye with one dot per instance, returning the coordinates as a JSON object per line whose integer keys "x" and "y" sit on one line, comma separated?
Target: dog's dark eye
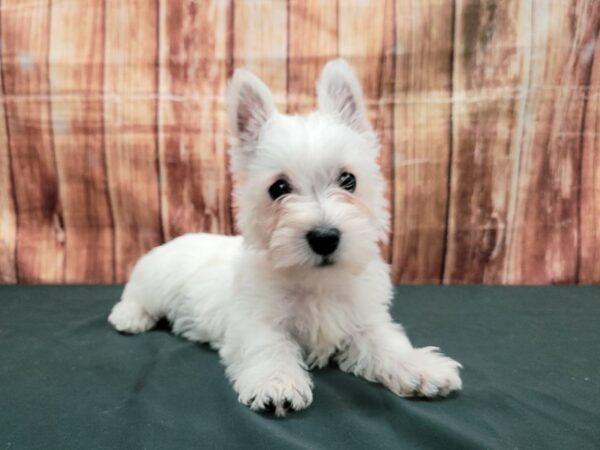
{"x": 347, "y": 181}
{"x": 279, "y": 188}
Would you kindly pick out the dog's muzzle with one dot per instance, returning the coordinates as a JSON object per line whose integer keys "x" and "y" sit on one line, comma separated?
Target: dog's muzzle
{"x": 323, "y": 241}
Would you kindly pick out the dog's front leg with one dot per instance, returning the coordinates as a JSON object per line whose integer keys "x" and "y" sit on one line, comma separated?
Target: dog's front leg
{"x": 267, "y": 370}
{"x": 381, "y": 352}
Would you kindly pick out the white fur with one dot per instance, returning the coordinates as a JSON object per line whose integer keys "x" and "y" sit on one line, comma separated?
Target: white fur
{"x": 262, "y": 299}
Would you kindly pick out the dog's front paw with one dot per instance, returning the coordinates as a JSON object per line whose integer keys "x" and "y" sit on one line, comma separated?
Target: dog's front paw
{"x": 278, "y": 392}
{"x": 424, "y": 372}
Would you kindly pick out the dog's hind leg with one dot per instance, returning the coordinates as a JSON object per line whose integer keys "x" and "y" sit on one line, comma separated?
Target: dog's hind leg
{"x": 130, "y": 316}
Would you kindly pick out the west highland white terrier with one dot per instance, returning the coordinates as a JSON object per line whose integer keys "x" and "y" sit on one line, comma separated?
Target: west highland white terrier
{"x": 305, "y": 283}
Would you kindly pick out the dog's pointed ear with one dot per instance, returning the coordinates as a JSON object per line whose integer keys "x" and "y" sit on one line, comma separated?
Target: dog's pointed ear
{"x": 249, "y": 106}
{"x": 339, "y": 93}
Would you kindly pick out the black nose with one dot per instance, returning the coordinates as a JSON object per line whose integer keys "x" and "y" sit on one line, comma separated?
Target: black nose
{"x": 323, "y": 241}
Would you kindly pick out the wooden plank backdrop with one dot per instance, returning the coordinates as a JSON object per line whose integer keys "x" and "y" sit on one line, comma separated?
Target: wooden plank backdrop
{"x": 113, "y": 133}
{"x": 421, "y": 99}
{"x": 130, "y": 124}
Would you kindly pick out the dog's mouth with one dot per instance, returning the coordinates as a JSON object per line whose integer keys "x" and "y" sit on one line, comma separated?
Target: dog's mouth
{"x": 326, "y": 261}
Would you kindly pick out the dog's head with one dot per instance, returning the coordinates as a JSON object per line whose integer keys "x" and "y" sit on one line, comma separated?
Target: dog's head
{"x": 309, "y": 189}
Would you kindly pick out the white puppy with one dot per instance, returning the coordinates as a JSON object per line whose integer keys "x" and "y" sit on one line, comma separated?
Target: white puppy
{"x": 306, "y": 282}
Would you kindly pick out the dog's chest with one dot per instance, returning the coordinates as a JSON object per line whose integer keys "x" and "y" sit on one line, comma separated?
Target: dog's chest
{"x": 320, "y": 324}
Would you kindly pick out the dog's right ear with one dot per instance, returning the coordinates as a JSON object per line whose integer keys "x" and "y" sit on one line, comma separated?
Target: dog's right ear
{"x": 339, "y": 94}
{"x": 249, "y": 106}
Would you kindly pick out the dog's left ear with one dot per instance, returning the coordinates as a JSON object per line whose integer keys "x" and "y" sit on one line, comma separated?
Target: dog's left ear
{"x": 249, "y": 106}
{"x": 339, "y": 93}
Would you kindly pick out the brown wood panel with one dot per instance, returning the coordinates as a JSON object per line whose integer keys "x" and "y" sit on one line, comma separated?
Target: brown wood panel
{"x": 130, "y": 121}
{"x": 490, "y": 82}
{"x": 589, "y": 266}
{"x": 25, "y": 29}
{"x": 371, "y": 54}
{"x": 260, "y": 43}
{"x": 76, "y": 66}
{"x": 192, "y": 127}
{"x": 544, "y": 245}
{"x": 421, "y": 138}
{"x": 8, "y": 215}
{"x": 313, "y": 40}
{"x": 113, "y": 132}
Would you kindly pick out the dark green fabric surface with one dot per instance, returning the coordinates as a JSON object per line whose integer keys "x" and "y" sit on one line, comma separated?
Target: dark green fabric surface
{"x": 531, "y": 377}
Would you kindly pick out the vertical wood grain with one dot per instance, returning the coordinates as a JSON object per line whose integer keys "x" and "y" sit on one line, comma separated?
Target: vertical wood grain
{"x": 130, "y": 121}
{"x": 313, "y": 40}
{"x": 490, "y": 84}
{"x": 372, "y": 56}
{"x": 75, "y": 69}
{"x": 8, "y": 218}
{"x": 544, "y": 245}
{"x": 421, "y": 138}
{"x": 113, "y": 133}
{"x": 589, "y": 265}
{"x": 192, "y": 125}
{"x": 25, "y": 29}
{"x": 260, "y": 43}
